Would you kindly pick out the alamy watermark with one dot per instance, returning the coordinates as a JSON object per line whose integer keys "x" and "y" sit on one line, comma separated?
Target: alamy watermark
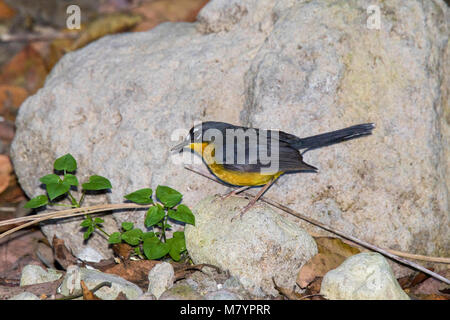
{"x": 73, "y": 20}
{"x": 373, "y": 17}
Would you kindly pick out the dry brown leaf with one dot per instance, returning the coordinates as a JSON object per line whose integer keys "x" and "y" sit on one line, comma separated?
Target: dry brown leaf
{"x": 26, "y": 69}
{"x": 110, "y": 24}
{"x": 430, "y": 297}
{"x": 332, "y": 252}
{"x": 6, "y": 12}
{"x": 11, "y": 97}
{"x": 318, "y": 266}
{"x": 87, "y": 294}
{"x": 121, "y": 296}
{"x": 122, "y": 250}
{"x": 288, "y": 293}
{"x": 63, "y": 255}
{"x": 413, "y": 280}
{"x": 47, "y": 288}
{"x": 133, "y": 271}
{"x": 315, "y": 285}
{"x": 6, "y": 170}
{"x": 156, "y": 12}
{"x": 58, "y": 48}
{"x": 335, "y": 245}
{"x": 10, "y": 191}
{"x": 13, "y": 193}
{"x": 7, "y": 131}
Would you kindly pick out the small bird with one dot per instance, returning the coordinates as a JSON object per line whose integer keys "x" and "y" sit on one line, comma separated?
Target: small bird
{"x": 249, "y": 157}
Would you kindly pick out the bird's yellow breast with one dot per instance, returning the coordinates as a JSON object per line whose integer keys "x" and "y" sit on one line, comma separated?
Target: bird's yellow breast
{"x": 237, "y": 178}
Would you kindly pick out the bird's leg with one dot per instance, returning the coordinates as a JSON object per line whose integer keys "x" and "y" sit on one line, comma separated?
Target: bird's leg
{"x": 253, "y": 201}
{"x": 235, "y": 192}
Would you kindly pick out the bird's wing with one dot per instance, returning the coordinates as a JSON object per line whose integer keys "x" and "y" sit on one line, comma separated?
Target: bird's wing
{"x": 266, "y": 157}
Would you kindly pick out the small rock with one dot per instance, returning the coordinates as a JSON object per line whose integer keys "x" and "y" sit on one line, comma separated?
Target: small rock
{"x": 71, "y": 284}
{"x": 181, "y": 292}
{"x": 232, "y": 283}
{"x": 192, "y": 283}
{"x": 25, "y": 296}
{"x": 255, "y": 248}
{"x": 364, "y": 276}
{"x": 205, "y": 282}
{"x": 33, "y": 274}
{"x": 147, "y": 296}
{"x": 160, "y": 278}
{"x": 73, "y": 278}
{"x": 222, "y": 295}
{"x": 89, "y": 254}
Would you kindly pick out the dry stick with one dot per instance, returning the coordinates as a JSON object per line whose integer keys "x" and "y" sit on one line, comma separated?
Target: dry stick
{"x": 343, "y": 235}
{"x": 398, "y": 253}
{"x": 65, "y": 214}
{"x": 24, "y": 37}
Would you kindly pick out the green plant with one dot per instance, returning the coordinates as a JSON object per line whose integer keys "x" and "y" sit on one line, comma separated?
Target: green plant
{"x": 154, "y": 244}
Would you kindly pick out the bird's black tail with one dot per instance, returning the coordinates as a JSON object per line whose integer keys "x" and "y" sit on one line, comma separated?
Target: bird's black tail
{"x": 329, "y": 138}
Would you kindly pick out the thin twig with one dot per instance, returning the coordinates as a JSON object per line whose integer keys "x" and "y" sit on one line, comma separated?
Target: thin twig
{"x": 25, "y": 37}
{"x": 65, "y": 214}
{"x": 97, "y": 287}
{"x": 339, "y": 233}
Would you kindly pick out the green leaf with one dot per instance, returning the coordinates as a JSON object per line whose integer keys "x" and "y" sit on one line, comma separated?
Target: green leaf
{"x": 127, "y": 225}
{"x": 97, "y": 183}
{"x": 137, "y": 251}
{"x": 67, "y": 162}
{"x": 37, "y": 202}
{"x": 98, "y": 220}
{"x": 167, "y": 226}
{"x": 132, "y": 237}
{"x": 55, "y": 190}
{"x": 115, "y": 237}
{"x": 183, "y": 214}
{"x": 177, "y": 246}
{"x": 148, "y": 235}
{"x": 71, "y": 179}
{"x": 141, "y": 196}
{"x": 154, "y": 248}
{"x": 87, "y": 222}
{"x": 88, "y": 233}
{"x": 50, "y": 178}
{"x": 154, "y": 215}
{"x": 178, "y": 234}
{"x": 168, "y": 196}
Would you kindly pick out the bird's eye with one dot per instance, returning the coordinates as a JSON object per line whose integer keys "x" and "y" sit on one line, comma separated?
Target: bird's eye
{"x": 196, "y": 134}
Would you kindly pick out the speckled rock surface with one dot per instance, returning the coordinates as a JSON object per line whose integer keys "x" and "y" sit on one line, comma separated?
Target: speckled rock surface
{"x": 364, "y": 276}
{"x": 305, "y": 67}
{"x": 181, "y": 292}
{"x": 71, "y": 284}
{"x": 260, "y": 246}
{"x": 222, "y": 294}
{"x": 33, "y": 274}
{"x": 160, "y": 278}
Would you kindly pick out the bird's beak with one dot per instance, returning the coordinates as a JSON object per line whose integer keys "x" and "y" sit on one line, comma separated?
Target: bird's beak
{"x": 180, "y": 146}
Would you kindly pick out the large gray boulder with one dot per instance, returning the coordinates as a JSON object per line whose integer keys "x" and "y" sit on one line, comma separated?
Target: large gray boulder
{"x": 302, "y": 66}
{"x": 257, "y": 248}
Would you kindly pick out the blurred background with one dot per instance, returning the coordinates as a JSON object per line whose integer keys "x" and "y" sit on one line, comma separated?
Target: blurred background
{"x": 33, "y": 37}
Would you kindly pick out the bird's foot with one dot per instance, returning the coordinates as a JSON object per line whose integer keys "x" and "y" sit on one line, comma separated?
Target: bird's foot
{"x": 245, "y": 209}
{"x": 234, "y": 193}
